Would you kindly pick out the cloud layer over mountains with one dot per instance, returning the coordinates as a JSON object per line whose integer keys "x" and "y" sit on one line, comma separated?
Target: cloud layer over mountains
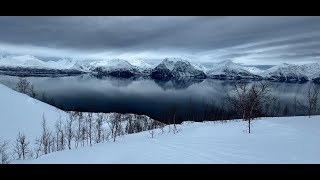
{"x": 248, "y": 40}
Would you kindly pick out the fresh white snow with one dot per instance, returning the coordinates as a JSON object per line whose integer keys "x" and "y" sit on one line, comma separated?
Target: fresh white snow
{"x": 21, "y": 113}
{"x": 311, "y": 70}
{"x": 200, "y": 67}
{"x": 273, "y": 140}
{"x": 229, "y": 67}
{"x": 21, "y": 61}
{"x": 140, "y": 63}
{"x": 253, "y": 70}
{"x": 170, "y": 62}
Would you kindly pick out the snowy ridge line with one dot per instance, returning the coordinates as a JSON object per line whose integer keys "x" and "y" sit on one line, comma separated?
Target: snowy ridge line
{"x": 168, "y": 68}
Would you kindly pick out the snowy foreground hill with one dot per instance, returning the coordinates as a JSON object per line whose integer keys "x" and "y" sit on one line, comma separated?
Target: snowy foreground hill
{"x": 273, "y": 140}
{"x": 20, "y": 113}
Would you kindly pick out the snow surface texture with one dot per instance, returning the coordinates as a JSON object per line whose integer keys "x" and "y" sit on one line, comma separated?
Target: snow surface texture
{"x": 200, "y": 67}
{"x": 230, "y": 68}
{"x": 21, "y": 61}
{"x": 253, "y": 70}
{"x": 311, "y": 70}
{"x": 140, "y": 63}
{"x": 273, "y": 140}
{"x": 21, "y": 113}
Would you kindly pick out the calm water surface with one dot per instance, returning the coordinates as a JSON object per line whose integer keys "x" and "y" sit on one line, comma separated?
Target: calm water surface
{"x": 142, "y": 96}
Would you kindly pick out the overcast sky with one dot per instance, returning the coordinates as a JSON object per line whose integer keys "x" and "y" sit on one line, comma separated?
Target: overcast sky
{"x": 248, "y": 40}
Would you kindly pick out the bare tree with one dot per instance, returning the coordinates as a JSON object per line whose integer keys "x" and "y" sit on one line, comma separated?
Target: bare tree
{"x": 106, "y": 135}
{"x": 4, "y": 155}
{"x": 153, "y": 126}
{"x": 23, "y": 86}
{"x": 174, "y": 129}
{"x": 89, "y": 123}
{"x": 21, "y": 147}
{"x": 32, "y": 92}
{"x": 115, "y": 126}
{"x": 98, "y": 127}
{"x": 69, "y": 128}
{"x": 129, "y": 129}
{"x": 60, "y": 135}
{"x": 37, "y": 149}
{"x": 84, "y": 130}
{"x": 137, "y": 126}
{"x": 162, "y": 125}
{"x": 52, "y": 144}
{"x": 247, "y": 100}
{"x": 311, "y": 99}
{"x": 46, "y": 136}
{"x": 152, "y": 132}
{"x": 171, "y": 115}
{"x": 78, "y": 131}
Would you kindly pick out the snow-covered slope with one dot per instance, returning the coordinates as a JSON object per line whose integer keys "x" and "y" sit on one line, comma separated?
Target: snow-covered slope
{"x": 112, "y": 64}
{"x": 28, "y": 61}
{"x": 253, "y": 70}
{"x": 11, "y": 63}
{"x": 177, "y": 68}
{"x": 310, "y": 71}
{"x": 115, "y": 67}
{"x": 21, "y": 113}
{"x": 229, "y": 68}
{"x": 140, "y": 64}
{"x": 273, "y": 140}
{"x": 21, "y": 61}
{"x": 200, "y": 67}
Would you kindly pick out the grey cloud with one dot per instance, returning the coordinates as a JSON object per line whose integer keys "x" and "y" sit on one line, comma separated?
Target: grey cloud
{"x": 192, "y": 36}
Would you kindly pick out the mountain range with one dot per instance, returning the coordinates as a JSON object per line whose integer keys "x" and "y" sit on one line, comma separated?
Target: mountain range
{"x": 169, "y": 68}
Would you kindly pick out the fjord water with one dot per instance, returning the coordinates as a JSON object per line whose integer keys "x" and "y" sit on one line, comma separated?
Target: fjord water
{"x": 143, "y": 95}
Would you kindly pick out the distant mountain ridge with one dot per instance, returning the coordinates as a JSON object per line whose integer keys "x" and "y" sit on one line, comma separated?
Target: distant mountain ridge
{"x": 169, "y": 68}
{"x": 176, "y": 68}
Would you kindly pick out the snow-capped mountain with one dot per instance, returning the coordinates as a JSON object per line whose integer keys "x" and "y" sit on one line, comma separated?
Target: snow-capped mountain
{"x": 231, "y": 69}
{"x": 253, "y": 70}
{"x": 28, "y": 61}
{"x": 200, "y": 67}
{"x": 21, "y": 61}
{"x": 185, "y": 69}
{"x": 285, "y": 72}
{"x": 27, "y": 65}
{"x": 22, "y": 65}
{"x": 140, "y": 64}
{"x": 114, "y": 67}
{"x": 176, "y": 68}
